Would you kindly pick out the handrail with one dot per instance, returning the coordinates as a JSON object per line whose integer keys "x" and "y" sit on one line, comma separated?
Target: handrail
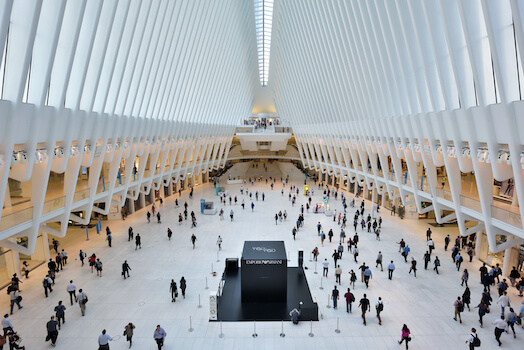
{"x": 16, "y": 218}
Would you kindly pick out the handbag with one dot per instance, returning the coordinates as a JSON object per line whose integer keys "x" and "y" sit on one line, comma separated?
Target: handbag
{"x": 19, "y": 298}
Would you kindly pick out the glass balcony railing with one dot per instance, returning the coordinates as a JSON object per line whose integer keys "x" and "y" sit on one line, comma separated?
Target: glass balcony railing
{"x": 471, "y": 203}
{"x": 53, "y": 204}
{"x": 509, "y": 217}
{"x": 102, "y": 187}
{"x": 80, "y": 195}
{"x": 16, "y": 218}
{"x": 444, "y": 194}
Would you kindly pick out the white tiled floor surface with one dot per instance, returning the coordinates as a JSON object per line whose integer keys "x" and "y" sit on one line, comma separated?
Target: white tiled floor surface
{"x": 423, "y": 303}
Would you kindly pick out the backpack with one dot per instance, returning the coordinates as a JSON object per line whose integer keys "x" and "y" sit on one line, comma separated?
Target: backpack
{"x": 352, "y": 298}
{"x": 45, "y": 283}
{"x": 380, "y": 307}
{"x": 460, "y": 306}
{"x": 476, "y": 341}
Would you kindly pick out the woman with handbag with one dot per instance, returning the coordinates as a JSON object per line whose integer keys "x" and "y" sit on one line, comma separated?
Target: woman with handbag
{"x": 405, "y": 335}
{"x": 128, "y": 332}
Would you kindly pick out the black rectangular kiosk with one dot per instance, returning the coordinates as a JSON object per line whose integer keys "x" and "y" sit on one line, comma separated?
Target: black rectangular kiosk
{"x": 264, "y": 271}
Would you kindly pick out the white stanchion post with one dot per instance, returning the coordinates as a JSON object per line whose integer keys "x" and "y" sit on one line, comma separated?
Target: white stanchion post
{"x": 282, "y": 335}
{"x": 218, "y": 260}
{"x": 206, "y": 284}
{"x": 221, "y": 335}
{"x": 254, "y": 329}
{"x": 316, "y": 268}
{"x": 311, "y": 330}
{"x": 199, "y": 305}
{"x": 329, "y": 298}
{"x": 321, "y": 288}
{"x": 310, "y": 257}
{"x": 337, "y": 330}
{"x": 190, "y": 325}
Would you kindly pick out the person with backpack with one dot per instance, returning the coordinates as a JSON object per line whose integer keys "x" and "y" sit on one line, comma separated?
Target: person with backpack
{"x": 47, "y": 282}
{"x": 60, "y": 313}
{"x": 82, "y": 255}
{"x": 379, "y": 306}
{"x": 473, "y": 340}
{"x": 350, "y": 299}
{"x": 81, "y": 298}
{"x": 459, "y": 308}
{"x": 436, "y": 263}
{"x": 98, "y": 267}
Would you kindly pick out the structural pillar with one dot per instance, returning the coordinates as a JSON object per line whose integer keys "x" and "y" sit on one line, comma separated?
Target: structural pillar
{"x": 511, "y": 258}
{"x": 142, "y": 200}
{"x": 12, "y": 262}
{"x": 42, "y": 248}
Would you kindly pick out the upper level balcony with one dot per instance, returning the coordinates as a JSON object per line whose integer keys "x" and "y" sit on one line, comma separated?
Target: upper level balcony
{"x": 264, "y": 131}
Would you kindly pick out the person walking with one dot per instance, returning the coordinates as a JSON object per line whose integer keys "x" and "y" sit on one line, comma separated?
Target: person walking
{"x": 169, "y": 233}
{"x": 465, "y": 277}
{"x": 352, "y": 278}
{"x": 159, "y": 335}
{"x": 367, "y": 275}
{"x": 365, "y": 306}
{"x": 501, "y": 326}
{"x": 446, "y": 242}
{"x": 174, "y": 291}
{"x": 7, "y": 325}
{"x": 427, "y": 259}
{"x": 458, "y": 260}
{"x": 459, "y": 308}
{"x": 193, "y": 240}
{"x": 103, "y": 341}
{"x": 71, "y": 289}
{"x": 338, "y": 274}
{"x": 405, "y": 335}
{"x": 81, "y": 298}
{"x": 325, "y": 265}
{"x": 473, "y": 340}
{"x": 128, "y": 332}
{"x": 125, "y": 269}
{"x": 109, "y": 239}
{"x": 15, "y": 299}
{"x": 466, "y": 298}
{"x": 511, "y": 319}
{"x": 148, "y": 217}
{"x": 82, "y": 256}
{"x": 483, "y": 310}
{"x": 232, "y": 214}
{"x": 219, "y": 242}
{"x": 183, "y": 286}
{"x": 355, "y": 253}
{"x": 504, "y": 302}
{"x": 350, "y": 298}
{"x": 99, "y": 267}
{"x": 47, "y": 283}
{"x": 379, "y": 306}
{"x": 60, "y": 313}
{"x": 379, "y": 260}
{"x": 129, "y": 233}
{"x": 138, "y": 241}
{"x": 391, "y": 268}
{"x": 413, "y": 266}
{"x": 335, "y": 296}
{"x": 436, "y": 263}
{"x": 52, "y": 331}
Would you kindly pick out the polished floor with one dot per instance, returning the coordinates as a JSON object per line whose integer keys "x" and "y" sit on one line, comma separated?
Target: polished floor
{"x": 424, "y": 303}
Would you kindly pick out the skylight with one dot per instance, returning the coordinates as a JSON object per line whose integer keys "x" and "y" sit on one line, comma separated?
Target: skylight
{"x": 263, "y": 21}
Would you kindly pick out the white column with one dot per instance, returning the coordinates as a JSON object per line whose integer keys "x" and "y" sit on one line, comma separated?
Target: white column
{"x": 42, "y": 248}
{"x": 12, "y": 261}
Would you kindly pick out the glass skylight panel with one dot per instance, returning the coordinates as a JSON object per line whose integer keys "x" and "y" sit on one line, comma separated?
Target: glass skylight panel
{"x": 264, "y": 21}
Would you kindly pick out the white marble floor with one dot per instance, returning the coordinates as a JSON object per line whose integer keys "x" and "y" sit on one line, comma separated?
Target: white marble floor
{"x": 423, "y": 303}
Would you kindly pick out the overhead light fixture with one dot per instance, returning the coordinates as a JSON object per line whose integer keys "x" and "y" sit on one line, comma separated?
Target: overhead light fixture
{"x": 87, "y": 148}
{"x": 41, "y": 155}
{"x": 482, "y": 155}
{"x": 466, "y": 152}
{"x": 451, "y": 152}
{"x": 503, "y": 156}
{"x": 74, "y": 151}
{"x": 58, "y": 152}
{"x": 438, "y": 148}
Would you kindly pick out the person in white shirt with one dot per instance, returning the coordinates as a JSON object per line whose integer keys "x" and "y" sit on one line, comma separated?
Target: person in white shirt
{"x": 379, "y": 306}
{"x": 219, "y": 243}
{"x": 500, "y": 327}
{"x": 503, "y": 301}
{"x": 6, "y": 324}
{"x": 71, "y": 289}
{"x": 325, "y": 264}
{"x": 471, "y": 339}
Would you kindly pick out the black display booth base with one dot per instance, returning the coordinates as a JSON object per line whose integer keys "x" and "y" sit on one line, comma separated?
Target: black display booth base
{"x": 231, "y": 308}
{"x": 270, "y": 289}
